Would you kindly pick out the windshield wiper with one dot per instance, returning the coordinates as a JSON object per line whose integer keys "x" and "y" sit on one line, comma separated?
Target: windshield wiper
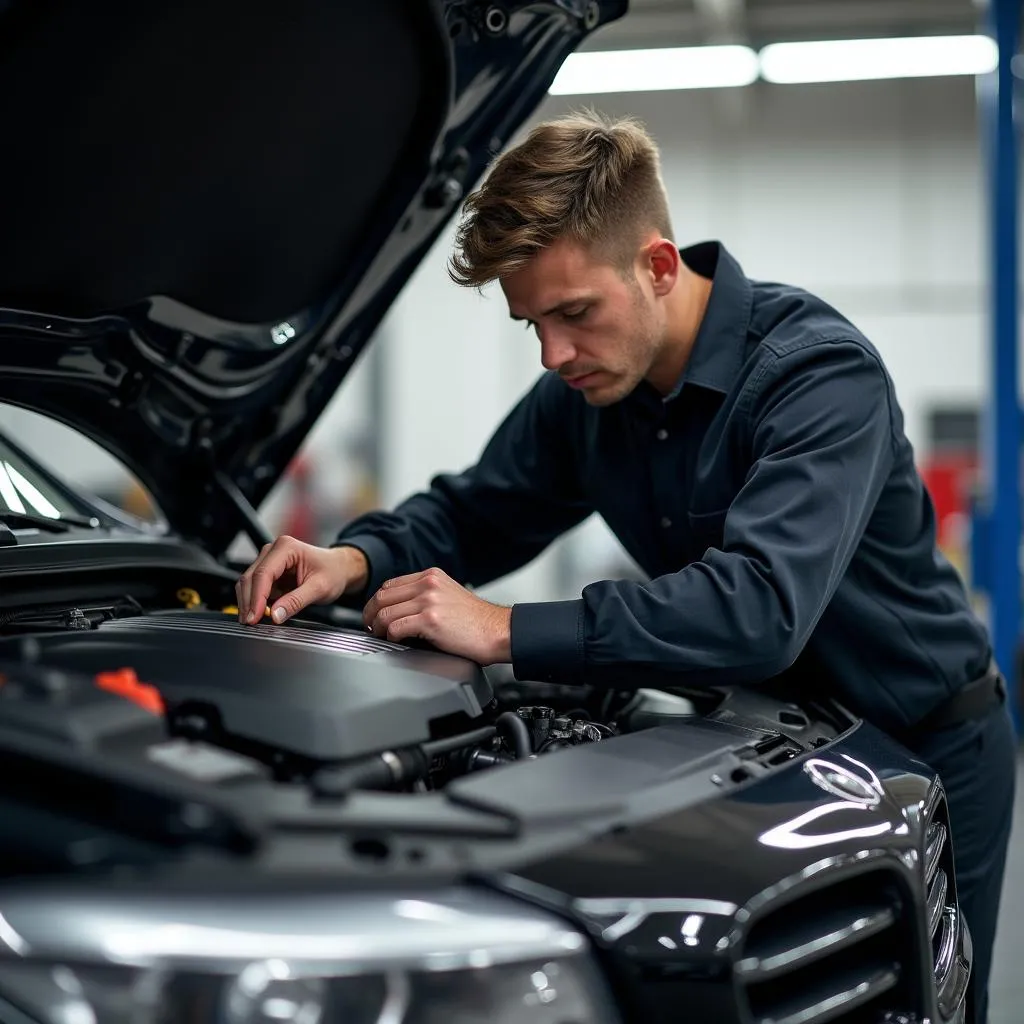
{"x": 16, "y": 519}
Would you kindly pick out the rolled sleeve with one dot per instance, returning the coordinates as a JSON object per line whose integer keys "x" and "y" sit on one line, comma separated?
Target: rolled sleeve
{"x": 547, "y": 641}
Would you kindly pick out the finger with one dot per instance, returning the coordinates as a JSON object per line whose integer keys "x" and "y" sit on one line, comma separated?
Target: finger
{"x": 289, "y": 605}
{"x": 263, "y": 577}
{"x": 424, "y": 624}
{"x": 388, "y": 598}
{"x": 411, "y": 627}
{"x": 243, "y": 585}
{"x": 386, "y": 617}
{"x": 412, "y": 577}
{"x": 402, "y": 588}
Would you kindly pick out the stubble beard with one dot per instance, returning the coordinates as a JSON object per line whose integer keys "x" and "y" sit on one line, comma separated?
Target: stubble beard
{"x": 644, "y": 348}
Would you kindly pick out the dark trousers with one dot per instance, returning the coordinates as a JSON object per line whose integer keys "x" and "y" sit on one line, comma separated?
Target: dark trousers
{"x": 977, "y": 762}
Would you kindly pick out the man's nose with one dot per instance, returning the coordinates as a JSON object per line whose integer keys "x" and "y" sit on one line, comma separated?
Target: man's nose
{"x": 555, "y": 349}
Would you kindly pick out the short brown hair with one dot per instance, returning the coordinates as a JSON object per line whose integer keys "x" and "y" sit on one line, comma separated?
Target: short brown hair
{"x": 583, "y": 177}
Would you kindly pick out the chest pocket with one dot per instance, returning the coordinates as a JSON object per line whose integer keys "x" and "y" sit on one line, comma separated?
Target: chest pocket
{"x": 706, "y": 530}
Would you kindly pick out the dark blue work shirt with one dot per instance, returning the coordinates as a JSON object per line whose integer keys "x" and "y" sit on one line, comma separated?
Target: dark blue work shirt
{"x": 772, "y": 499}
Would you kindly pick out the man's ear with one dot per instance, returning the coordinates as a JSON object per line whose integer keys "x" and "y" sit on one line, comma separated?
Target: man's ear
{"x": 662, "y": 265}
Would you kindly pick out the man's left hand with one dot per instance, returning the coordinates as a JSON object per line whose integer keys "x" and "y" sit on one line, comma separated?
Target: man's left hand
{"x": 430, "y": 605}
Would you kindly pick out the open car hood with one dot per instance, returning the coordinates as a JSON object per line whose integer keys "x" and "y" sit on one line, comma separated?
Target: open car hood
{"x": 209, "y": 205}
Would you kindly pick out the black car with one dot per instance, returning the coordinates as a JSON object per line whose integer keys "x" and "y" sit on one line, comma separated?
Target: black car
{"x": 207, "y": 209}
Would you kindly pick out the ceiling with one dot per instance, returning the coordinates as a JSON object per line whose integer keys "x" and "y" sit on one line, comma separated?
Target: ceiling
{"x": 757, "y": 22}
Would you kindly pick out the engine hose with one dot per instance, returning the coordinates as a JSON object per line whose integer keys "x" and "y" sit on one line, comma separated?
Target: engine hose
{"x": 450, "y": 743}
{"x": 388, "y": 770}
{"x": 516, "y": 731}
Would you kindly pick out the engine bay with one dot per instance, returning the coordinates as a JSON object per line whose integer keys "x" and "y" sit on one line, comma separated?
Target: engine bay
{"x": 184, "y": 726}
{"x": 333, "y": 706}
{"x": 304, "y": 690}
{"x": 307, "y": 701}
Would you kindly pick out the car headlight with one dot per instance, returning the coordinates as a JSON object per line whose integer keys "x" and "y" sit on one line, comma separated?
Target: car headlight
{"x": 450, "y": 957}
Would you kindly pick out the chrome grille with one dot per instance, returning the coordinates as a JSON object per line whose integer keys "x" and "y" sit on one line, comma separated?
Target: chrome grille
{"x": 198, "y": 622}
{"x": 937, "y": 901}
{"x": 934, "y": 844}
{"x": 832, "y": 955}
{"x": 943, "y": 914}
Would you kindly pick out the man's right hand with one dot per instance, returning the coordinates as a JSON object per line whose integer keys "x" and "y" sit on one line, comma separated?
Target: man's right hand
{"x": 294, "y": 575}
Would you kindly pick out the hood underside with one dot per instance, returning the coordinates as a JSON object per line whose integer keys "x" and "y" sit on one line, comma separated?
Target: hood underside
{"x": 208, "y": 208}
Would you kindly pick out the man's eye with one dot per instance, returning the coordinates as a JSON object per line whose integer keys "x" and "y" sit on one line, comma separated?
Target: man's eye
{"x": 575, "y": 314}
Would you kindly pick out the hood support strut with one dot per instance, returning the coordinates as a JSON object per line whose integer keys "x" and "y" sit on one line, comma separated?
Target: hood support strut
{"x": 251, "y": 524}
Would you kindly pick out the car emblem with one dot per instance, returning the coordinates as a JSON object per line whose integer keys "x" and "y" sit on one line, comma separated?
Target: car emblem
{"x": 842, "y": 782}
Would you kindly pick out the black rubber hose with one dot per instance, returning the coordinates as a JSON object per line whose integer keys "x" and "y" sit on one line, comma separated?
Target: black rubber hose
{"x": 393, "y": 768}
{"x": 515, "y": 730}
{"x": 450, "y": 743}
{"x": 385, "y": 771}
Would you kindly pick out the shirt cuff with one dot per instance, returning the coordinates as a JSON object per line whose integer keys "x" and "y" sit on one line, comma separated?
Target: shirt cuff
{"x": 547, "y": 641}
{"x": 378, "y": 557}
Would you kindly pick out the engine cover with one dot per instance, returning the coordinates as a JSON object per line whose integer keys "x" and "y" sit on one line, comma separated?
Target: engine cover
{"x": 316, "y": 691}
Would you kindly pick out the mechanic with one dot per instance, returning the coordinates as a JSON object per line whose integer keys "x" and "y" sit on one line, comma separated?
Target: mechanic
{"x": 745, "y": 444}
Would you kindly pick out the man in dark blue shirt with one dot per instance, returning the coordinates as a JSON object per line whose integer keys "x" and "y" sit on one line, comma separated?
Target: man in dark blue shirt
{"x": 744, "y": 442}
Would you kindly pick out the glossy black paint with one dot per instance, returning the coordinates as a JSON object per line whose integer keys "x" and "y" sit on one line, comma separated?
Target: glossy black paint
{"x": 721, "y": 864}
{"x": 668, "y": 862}
{"x": 213, "y": 396}
{"x": 104, "y": 562}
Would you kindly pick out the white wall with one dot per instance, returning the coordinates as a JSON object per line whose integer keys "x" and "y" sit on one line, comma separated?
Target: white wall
{"x": 870, "y": 194}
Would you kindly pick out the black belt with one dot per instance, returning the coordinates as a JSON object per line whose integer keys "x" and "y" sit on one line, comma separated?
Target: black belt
{"x": 970, "y": 702}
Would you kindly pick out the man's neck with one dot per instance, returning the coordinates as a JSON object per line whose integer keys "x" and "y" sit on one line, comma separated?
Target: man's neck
{"x": 687, "y": 304}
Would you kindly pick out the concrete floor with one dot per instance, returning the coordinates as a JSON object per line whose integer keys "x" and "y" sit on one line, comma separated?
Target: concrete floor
{"x": 1007, "y": 986}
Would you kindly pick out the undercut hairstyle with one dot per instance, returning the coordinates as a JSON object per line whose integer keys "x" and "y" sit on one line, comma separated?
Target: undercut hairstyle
{"x": 583, "y": 177}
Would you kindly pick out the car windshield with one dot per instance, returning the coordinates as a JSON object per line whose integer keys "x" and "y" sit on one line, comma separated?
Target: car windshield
{"x": 26, "y": 490}
{"x": 54, "y": 474}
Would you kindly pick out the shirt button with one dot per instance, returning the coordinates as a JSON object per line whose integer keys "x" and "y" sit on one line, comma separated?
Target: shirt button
{"x": 666, "y": 522}
{"x": 661, "y": 434}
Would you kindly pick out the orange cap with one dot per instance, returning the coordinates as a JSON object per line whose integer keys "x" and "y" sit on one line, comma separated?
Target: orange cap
{"x": 125, "y": 683}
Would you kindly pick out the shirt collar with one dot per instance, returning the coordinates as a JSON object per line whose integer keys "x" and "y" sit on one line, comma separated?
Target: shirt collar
{"x": 718, "y": 349}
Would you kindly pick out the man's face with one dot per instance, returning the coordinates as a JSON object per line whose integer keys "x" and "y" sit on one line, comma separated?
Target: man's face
{"x": 597, "y": 326}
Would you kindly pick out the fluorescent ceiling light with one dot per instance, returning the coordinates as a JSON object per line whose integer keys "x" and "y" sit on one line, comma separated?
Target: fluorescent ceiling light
{"x": 690, "y": 67}
{"x": 850, "y": 60}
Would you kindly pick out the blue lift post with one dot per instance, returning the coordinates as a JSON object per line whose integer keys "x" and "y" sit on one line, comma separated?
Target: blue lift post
{"x": 1003, "y": 434}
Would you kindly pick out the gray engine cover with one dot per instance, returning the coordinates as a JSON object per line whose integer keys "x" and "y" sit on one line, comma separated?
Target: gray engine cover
{"x": 324, "y": 693}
